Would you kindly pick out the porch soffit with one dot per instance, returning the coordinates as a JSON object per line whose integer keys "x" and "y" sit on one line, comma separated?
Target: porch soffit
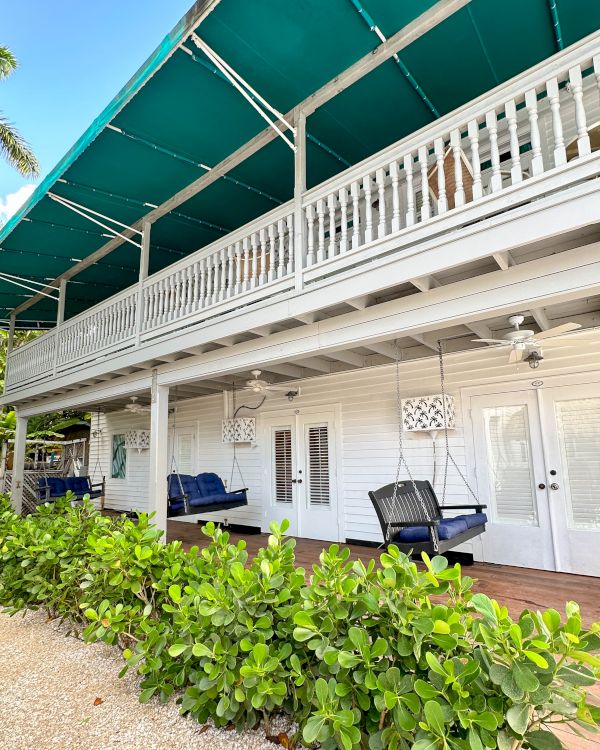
{"x": 177, "y": 116}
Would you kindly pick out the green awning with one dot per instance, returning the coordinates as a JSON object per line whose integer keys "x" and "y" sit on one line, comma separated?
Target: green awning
{"x": 178, "y": 113}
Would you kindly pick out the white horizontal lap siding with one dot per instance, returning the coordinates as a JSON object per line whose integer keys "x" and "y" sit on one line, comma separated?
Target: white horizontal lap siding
{"x": 204, "y": 416}
{"x": 130, "y": 493}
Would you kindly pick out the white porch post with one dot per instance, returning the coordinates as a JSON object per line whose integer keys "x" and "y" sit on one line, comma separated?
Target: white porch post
{"x": 60, "y": 319}
{"x": 18, "y": 474}
{"x": 159, "y": 446}
{"x": 144, "y": 265}
{"x": 11, "y": 333}
{"x": 299, "y": 190}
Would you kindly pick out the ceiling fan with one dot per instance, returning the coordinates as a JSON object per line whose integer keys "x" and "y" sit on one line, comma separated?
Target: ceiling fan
{"x": 258, "y": 385}
{"x": 522, "y": 340}
{"x": 136, "y": 408}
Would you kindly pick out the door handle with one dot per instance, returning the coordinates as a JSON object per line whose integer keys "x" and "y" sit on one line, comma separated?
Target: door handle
{"x": 541, "y": 486}
{"x": 294, "y": 481}
{"x": 554, "y": 486}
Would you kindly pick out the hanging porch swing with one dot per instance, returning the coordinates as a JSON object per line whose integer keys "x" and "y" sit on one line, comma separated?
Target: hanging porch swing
{"x": 408, "y": 510}
{"x": 190, "y": 495}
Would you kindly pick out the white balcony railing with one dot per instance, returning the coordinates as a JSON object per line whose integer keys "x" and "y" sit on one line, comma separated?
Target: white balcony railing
{"x": 509, "y": 141}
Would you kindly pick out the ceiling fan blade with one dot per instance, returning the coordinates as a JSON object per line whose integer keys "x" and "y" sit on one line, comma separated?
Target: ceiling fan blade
{"x": 516, "y": 355}
{"x": 558, "y": 330}
{"x": 491, "y": 341}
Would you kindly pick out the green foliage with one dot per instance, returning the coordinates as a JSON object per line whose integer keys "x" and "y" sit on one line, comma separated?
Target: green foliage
{"x": 359, "y": 656}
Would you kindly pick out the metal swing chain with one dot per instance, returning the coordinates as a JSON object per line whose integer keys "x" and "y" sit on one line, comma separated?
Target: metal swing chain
{"x": 402, "y": 460}
{"x": 449, "y": 456}
{"x": 174, "y": 459}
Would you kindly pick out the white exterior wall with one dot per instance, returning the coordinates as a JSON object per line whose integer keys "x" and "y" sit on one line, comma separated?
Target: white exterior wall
{"x": 368, "y": 431}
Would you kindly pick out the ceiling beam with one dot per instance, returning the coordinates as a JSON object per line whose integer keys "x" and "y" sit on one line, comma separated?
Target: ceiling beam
{"x": 349, "y": 358}
{"x": 540, "y": 317}
{"x": 504, "y": 259}
{"x": 425, "y": 283}
{"x": 359, "y": 303}
{"x": 386, "y": 350}
{"x": 426, "y": 340}
{"x": 481, "y": 330}
{"x": 315, "y": 363}
{"x": 428, "y": 20}
{"x": 290, "y": 371}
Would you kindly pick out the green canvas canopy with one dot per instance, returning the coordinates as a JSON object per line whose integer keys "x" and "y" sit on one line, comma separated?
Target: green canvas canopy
{"x": 179, "y": 116}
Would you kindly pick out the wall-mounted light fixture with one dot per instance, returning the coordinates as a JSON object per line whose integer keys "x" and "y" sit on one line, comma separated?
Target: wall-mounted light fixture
{"x": 533, "y": 359}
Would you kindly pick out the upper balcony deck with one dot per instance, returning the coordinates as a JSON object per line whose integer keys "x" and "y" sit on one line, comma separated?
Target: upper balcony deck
{"x": 527, "y": 144}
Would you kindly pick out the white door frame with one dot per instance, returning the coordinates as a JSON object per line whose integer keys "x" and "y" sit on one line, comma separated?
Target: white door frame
{"x": 508, "y": 386}
{"x": 292, "y": 413}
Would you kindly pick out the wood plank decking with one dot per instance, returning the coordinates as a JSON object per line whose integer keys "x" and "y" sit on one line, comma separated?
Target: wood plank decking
{"x": 517, "y": 588}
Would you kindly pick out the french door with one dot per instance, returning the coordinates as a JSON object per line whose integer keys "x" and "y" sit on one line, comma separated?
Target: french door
{"x": 537, "y": 455}
{"x": 300, "y": 471}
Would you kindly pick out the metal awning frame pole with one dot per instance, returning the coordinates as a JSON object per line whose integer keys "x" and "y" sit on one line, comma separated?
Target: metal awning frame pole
{"x": 246, "y": 91}
{"x": 83, "y": 211}
{"x": 9, "y": 280}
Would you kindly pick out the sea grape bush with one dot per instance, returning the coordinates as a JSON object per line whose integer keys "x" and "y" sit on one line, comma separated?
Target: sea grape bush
{"x": 359, "y": 656}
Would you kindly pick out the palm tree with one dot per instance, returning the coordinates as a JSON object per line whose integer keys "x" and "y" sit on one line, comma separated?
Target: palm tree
{"x": 13, "y": 146}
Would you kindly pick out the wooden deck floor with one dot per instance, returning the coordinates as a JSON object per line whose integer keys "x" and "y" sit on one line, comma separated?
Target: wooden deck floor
{"x": 517, "y": 588}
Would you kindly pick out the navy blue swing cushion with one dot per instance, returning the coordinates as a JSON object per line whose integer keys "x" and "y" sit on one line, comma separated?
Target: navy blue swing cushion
{"x": 206, "y": 492}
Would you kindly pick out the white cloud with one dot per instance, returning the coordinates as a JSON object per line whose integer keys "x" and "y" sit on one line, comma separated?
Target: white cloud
{"x": 11, "y": 203}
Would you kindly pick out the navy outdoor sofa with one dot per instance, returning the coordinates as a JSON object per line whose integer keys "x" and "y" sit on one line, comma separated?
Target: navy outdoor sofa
{"x": 188, "y": 495}
{"x": 52, "y": 487}
{"x": 409, "y": 520}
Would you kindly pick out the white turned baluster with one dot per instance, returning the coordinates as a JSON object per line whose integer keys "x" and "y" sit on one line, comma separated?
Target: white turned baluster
{"x": 491, "y": 122}
{"x": 238, "y": 267}
{"x": 209, "y": 280}
{"x": 246, "y": 246}
{"x": 438, "y": 147}
{"x": 310, "y": 235}
{"x": 190, "y": 276}
{"x": 516, "y": 173}
{"x": 262, "y": 277}
{"x": 426, "y": 203}
{"x": 254, "y": 269}
{"x": 291, "y": 247}
{"x": 355, "y": 193}
{"x": 395, "y": 178}
{"x": 410, "y": 190}
{"x": 196, "y": 288}
{"x": 368, "y": 209}
{"x": 272, "y": 253}
{"x": 171, "y": 294}
{"x": 223, "y": 278}
{"x": 153, "y": 304}
{"x": 343, "y": 199}
{"x": 161, "y": 302}
{"x": 596, "y": 62}
{"x": 332, "y": 228}
{"x": 280, "y": 248}
{"x": 382, "y": 224}
{"x": 473, "y": 130}
{"x": 202, "y": 301}
{"x": 321, "y": 230}
{"x": 230, "y": 272}
{"x": 560, "y": 152}
{"x": 583, "y": 139}
{"x": 537, "y": 161}
{"x": 176, "y": 309}
{"x": 459, "y": 188}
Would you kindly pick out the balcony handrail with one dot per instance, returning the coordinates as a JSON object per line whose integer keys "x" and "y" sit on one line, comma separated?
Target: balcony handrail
{"x": 279, "y": 212}
{"x": 489, "y": 100}
{"x": 123, "y": 294}
{"x": 29, "y": 345}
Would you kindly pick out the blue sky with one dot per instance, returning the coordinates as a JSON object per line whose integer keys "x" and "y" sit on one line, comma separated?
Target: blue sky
{"x": 74, "y": 55}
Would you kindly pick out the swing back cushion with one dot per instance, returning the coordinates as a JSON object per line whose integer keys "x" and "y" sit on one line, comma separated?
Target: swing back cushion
{"x": 400, "y": 519}
{"x": 52, "y": 487}
{"x": 201, "y": 490}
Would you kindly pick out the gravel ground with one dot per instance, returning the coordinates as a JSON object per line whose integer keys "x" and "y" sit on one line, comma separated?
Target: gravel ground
{"x": 56, "y": 692}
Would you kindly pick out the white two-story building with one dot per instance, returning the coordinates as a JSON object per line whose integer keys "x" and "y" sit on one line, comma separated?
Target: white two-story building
{"x": 322, "y": 191}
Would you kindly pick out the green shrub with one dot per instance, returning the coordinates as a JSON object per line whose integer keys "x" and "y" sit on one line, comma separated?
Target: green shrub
{"x": 376, "y": 657}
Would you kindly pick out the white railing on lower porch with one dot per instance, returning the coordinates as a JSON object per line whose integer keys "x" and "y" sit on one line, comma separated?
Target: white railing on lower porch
{"x": 518, "y": 132}
{"x": 514, "y": 145}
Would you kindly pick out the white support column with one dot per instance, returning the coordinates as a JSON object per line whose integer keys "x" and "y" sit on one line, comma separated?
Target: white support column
{"x": 299, "y": 190}
{"x": 11, "y": 333}
{"x": 143, "y": 275}
{"x": 159, "y": 448}
{"x": 18, "y": 473}
{"x": 60, "y": 319}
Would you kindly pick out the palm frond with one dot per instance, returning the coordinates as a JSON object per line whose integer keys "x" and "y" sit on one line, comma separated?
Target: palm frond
{"x": 8, "y": 62}
{"x": 16, "y": 150}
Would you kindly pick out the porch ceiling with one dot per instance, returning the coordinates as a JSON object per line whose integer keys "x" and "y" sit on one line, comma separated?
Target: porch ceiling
{"x": 178, "y": 115}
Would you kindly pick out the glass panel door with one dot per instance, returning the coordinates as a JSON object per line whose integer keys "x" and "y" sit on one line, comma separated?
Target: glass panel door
{"x": 510, "y": 469}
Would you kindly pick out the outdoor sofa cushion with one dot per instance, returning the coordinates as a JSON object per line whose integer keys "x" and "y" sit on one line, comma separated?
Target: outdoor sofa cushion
{"x": 447, "y": 529}
{"x": 474, "y": 519}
